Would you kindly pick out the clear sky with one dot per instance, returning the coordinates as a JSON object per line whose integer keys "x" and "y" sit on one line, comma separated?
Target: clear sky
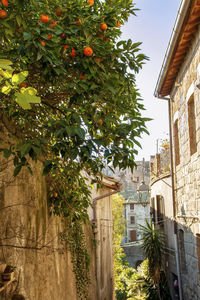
{"x": 152, "y": 26}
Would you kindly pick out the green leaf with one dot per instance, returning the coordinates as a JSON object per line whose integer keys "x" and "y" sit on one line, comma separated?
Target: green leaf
{"x": 7, "y": 153}
{"x": 27, "y": 35}
{"x": 80, "y": 132}
{"x": 25, "y": 149}
{"x": 5, "y": 64}
{"x": 111, "y": 89}
{"x": 6, "y": 89}
{"x": 47, "y": 167}
{"x": 17, "y": 170}
{"x": 27, "y": 96}
{"x": 20, "y": 77}
{"x": 6, "y": 74}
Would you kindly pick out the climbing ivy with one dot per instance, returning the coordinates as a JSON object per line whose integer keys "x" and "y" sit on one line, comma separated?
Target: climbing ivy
{"x": 74, "y": 237}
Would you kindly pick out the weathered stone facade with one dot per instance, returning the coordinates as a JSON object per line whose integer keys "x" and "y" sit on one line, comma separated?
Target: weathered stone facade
{"x": 134, "y": 254}
{"x": 179, "y": 83}
{"x": 162, "y": 212}
{"x": 136, "y": 213}
{"x": 187, "y": 175}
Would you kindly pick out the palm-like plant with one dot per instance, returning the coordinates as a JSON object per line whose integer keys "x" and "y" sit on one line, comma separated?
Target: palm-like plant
{"x": 153, "y": 246}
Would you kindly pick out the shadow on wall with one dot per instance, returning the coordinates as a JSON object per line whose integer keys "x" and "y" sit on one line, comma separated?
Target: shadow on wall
{"x": 188, "y": 247}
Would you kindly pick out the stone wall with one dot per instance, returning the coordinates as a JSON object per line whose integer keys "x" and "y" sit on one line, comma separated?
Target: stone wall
{"x": 163, "y": 187}
{"x": 187, "y": 173}
{"x": 134, "y": 254}
{"x": 43, "y": 264}
{"x": 30, "y": 239}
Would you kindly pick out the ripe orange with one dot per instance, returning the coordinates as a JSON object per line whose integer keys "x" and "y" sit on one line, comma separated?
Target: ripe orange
{"x": 65, "y": 47}
{"x": 88, "y": 51}
{"x": 53, "y": 23}
{"x": 97, "y": 59}
{"x": 49, "y": 36}
{"x": 82, "y": 76}
{"x": 43, "y": 43}
{"x": 91, "y": 2}
{"x": 100, "y": 122}
{"x": 44, "y": 19}
{"x": 79, "y": 22}
{"x": 63, "y": 36}
{"x": 5, "y": 2}
{"x": 58, "y": 12}
{"x": 104, "y": 27}
{"x": 73, "y": 52}
{"x": 23, "y": 85}
{"x": 3, "y": 14}
{"x": 118, "y": 24}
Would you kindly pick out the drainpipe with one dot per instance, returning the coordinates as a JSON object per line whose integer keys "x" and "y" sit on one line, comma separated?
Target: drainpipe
{"x": 173, "y": 199}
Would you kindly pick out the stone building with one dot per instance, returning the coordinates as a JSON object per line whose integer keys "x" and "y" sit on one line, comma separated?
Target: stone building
{"x": 162, "y": 212}
{"x": 136, "y": 207}
{"x": 136, "y": 212}
{"x": 179, "y": 84}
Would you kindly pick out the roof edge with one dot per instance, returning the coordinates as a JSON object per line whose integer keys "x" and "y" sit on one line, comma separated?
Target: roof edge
{"x": 179, "y": 21}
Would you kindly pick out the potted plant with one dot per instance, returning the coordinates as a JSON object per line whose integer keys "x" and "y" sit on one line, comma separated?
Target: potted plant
{"x": 8, "y": 274}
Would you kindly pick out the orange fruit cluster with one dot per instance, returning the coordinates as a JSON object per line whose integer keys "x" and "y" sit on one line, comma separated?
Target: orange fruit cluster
{"x": 73, "y": 52}
{"x": 3, "y": 14}
{"x": 118, "y": 24}
{"x": 104, "y": 27}
{"x": 43, "y": 43}
{"x": 5, "y": 2}
{"x": 91, "y": 2}
{"x": 82, "y": 76}
{"x": 97, "y": 59}
{"x": 58, "y": 12}
{"x": 49, "y": 36}
{"x": 44, "y": 19}
{"x": 65, "y": 47}
{"x": 88, "y": 51}
{"x": 53, "y": 23}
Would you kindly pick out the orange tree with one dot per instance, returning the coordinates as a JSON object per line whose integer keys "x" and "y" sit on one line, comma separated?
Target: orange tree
{"x": 68, "y": 92}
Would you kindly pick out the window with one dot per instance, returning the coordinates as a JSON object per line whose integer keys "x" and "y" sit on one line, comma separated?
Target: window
{"x": 131, "y": 206}
{"x": 176, "y": 144}
{"x": 132, "y": 220}
{"x": 198, "y": 249}
{"x": 132, "y": 235}
{"x": 160, "y": 209}
{"x": 192, "y": 125}
{"x": 182, "y": 250}
{"x": 152, "y": 209}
